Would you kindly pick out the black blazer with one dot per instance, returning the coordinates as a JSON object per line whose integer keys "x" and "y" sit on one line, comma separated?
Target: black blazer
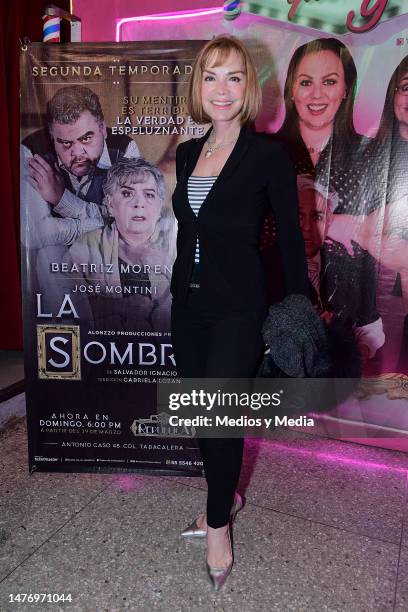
{"x": 257, "y": 175}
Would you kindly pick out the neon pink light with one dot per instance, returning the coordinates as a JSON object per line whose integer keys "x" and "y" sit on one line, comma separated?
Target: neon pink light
{"x": 336, "y": 458}
{"x": 163, "y": 16}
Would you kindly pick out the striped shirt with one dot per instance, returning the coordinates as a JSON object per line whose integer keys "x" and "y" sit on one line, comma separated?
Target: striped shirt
{"x": 198, "y": 189}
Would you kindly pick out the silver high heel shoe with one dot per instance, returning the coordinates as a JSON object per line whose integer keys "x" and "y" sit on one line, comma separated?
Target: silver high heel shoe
{"x": 193, "y": 531}
{"x": 218, "y": 575}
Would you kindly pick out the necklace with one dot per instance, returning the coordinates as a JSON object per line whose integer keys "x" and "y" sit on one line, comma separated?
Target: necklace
{"x": 211, "y": 146}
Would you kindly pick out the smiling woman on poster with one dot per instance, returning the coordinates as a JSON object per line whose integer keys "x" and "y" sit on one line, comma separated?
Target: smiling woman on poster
{"x": 226, "y": 181}
{"x": 319, "y": 97}
{"x": 319, "y": 133}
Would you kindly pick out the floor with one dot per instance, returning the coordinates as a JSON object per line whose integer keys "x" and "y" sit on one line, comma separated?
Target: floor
{"x": 11, "y": 368}
{"x": 11, "y": 387}
{"x": 325, "y": 527}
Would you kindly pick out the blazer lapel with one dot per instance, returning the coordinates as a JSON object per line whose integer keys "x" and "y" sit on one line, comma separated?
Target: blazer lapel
{"x": 198, "y": 144}
{"x": 232, "y": 163}
{"x": 237, "y": 153}
{"x": 229, "y": 167}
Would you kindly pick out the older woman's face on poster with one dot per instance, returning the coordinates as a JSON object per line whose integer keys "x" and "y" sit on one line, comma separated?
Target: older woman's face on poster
{"x": 401, "y": 100}
{"x": 136, "y": 207}
{"x": 319, "y": 88}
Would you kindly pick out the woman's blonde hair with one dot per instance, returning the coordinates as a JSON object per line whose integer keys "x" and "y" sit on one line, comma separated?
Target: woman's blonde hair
{"x": 214, "y": 53}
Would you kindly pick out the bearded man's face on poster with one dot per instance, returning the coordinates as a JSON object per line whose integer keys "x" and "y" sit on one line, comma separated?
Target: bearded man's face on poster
{"x": 79, "y": 145}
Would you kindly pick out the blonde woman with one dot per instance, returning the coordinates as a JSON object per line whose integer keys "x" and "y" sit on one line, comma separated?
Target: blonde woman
{"x": 226, "y": 181}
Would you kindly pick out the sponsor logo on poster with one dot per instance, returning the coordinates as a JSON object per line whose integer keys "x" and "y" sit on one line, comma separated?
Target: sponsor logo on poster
{"x": 157, "y": 425}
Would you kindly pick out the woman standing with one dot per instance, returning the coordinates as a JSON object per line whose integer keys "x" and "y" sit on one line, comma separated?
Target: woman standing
{"x": 226, "y": 181}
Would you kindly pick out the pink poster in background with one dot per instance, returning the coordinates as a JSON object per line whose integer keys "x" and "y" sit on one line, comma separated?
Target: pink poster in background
{"x": 351, "y": 179}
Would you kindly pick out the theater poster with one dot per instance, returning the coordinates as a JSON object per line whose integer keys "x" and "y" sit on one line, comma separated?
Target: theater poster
{"x": 335, "y": 89}
{"x": 99, "y": 129}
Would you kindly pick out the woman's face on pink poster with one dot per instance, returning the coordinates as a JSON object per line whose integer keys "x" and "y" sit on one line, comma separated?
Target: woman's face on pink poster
{"x": 401, "y": 100}
{"x": 319, "y": 89}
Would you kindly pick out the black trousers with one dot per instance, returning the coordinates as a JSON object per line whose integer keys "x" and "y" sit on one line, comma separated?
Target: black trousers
{"x": 217, "y": 343}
